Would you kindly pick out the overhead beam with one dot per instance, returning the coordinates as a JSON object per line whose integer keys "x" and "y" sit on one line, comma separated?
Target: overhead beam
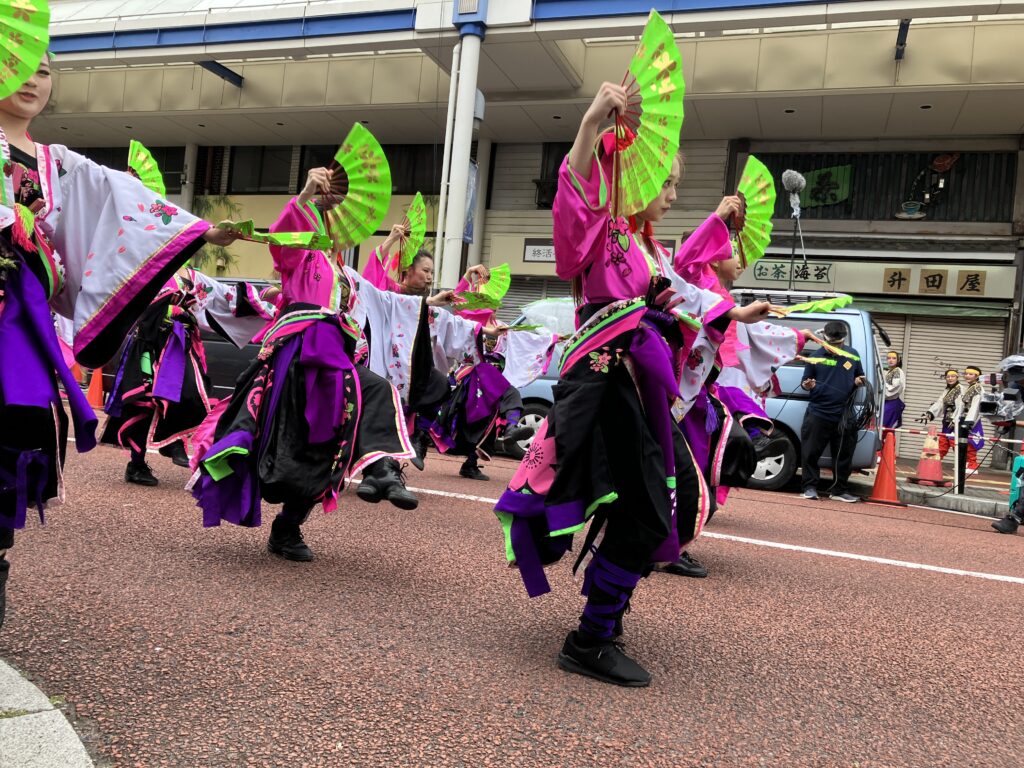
{"x": 224, "y": 73}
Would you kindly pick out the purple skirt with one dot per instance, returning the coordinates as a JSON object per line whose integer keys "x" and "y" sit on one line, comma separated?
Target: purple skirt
{"x": 892, "y": 414}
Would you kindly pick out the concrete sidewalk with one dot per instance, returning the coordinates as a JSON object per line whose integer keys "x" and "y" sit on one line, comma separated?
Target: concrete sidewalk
{"x": 33, "y": 733}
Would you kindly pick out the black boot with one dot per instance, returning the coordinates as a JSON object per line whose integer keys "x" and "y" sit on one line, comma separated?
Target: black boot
{"x": 686, "y": 566}
{"x": 5, "y": 566}
{"x": 420, "y": 441}
{"x": 385, "y": 481}
{"x": 1008, "y": 524}
{"x": 176, "y": 453}
{"x": 602, "y": 660}
{"x": 471, "y": 469}
{"x": 286, "y": 541}
{"x": 139, "y": 473}
{"x": 514, "y": 434}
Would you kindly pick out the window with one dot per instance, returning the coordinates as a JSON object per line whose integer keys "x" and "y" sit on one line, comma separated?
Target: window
{"x": 170, "y": 159}
{"x": 260, "y": 170}
{"x": 550, "y": 161}
{"x": 414, "y": 167}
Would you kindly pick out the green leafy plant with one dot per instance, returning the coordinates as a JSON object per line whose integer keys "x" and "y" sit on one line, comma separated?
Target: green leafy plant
{"x": 215, "y": 208}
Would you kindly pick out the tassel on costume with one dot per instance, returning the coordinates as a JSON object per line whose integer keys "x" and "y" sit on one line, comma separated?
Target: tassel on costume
{"x": 23, "y": 228}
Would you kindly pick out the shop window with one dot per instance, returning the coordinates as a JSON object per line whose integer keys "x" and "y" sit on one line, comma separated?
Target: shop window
{"x": 170, "y": 159}
{"x": 260, "y": 170}
{"x": 414, "y": 167}
{"x": 551, "y": 160}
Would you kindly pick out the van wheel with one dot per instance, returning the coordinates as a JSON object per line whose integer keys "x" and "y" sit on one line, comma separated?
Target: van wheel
{"x": 533, "y": 415}
{"x": 776, "y": 464}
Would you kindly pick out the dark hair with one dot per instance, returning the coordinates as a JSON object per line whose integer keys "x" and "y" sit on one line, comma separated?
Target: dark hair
{"x": 899, "y": 357}
{"x": 422, "y": 254}
{"x": 835, "y": 331}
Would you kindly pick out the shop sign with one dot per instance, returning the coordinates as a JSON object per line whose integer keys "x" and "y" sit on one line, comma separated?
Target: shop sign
{"x": 769, "y": 271}
{"x": 826, "y": 186}
{"x": 896, "y": 280}
{"x": 539, "y": 249}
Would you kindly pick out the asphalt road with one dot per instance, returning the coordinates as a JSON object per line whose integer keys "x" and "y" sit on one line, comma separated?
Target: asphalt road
{"x": 409, "y": 643}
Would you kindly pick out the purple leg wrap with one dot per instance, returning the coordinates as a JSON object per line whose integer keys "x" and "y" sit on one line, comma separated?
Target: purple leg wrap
{"x": 608, "y": 589}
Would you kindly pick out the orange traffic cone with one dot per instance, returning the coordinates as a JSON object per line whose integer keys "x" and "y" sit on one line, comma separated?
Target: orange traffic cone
{"x": 95, "y": 394}
{"x": 885, "y": 491}
{"x": 929, "y": 468}
{"x": 76, "y": 371}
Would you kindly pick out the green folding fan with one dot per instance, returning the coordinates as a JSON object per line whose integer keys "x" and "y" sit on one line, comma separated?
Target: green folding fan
{"x": 25, "y": 32}
{"x": 473, "y": 300}
{"x": 757, "y": 190}
{"x": 144, "y": 168}
{"x": 821, "y": 305}
{"x": 647, "y": 135}
{"x": 497, "y": 284}
{"x": 312, "y": 241}
{"x": 368, "y": 196}
{"x": 416, "y": 222}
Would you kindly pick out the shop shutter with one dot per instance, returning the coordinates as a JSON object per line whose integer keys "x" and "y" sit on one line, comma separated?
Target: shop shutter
{"x": 523, "y": 290}
{"x": 931, "y": 345}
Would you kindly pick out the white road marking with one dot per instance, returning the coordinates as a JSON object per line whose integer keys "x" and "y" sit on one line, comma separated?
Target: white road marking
{"x": 792, "y": 547}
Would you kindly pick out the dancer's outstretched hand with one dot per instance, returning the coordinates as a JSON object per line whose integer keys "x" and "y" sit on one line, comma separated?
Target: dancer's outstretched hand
{"x": 610, "y": 101}
{"x": 442, "y": 299}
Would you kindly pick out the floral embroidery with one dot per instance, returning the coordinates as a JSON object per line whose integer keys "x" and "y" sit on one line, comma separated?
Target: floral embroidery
{"x": 618, "y": 246}
{"x": 602, "y": 359}
{"x": 163, "y": 211}
{"x": 694, "y": 360}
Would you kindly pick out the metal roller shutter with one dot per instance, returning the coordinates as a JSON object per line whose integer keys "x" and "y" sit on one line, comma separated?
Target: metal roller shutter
{"x": 523, "y": 290}
{"x": 931, "y": 345}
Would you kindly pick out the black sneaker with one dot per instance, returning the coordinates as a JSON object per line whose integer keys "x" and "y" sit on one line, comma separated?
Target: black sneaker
{"x": 603, "y": 660}
{"x": 685, "y": 566}
{"x": 139, "y": 474}
{"x": 286, "y": 541}
{"x": 420, "y": 441}
{"x": 5, "y": 566}
{"x": 385, "y": 481}
{"x": 472, "y": 472}
{"x": 1008, "y": 524}
{"x": 176, "y": 453}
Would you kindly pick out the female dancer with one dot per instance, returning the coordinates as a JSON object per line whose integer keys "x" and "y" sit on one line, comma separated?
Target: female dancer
{"x": 94, "y": 245}
{"x": 304, "y": 417}
{"x": 610, "y": 452}
{"x": 161, "y": 390}
{"x": 895, "y": 386}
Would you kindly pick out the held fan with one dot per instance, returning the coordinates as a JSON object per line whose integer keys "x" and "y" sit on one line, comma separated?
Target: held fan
{"x": 311, "y": 241}
{"x": 754, "y": 223}
{"x": 647, "y": 134}
{"x": 25, "y": 31}
{"x": 487, "y": 295}
{"x": 416, "y": 226}
{"x": 143, "y": 167}
{"x": 368, "y": 193}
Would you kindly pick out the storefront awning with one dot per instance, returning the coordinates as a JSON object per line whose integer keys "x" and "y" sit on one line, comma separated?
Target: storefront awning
{"x": 932, "y": 308}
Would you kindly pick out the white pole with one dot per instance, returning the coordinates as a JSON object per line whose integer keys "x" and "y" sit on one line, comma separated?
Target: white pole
{"x": 462, "y": 139}
{"x": 188, "y": 181}
{"x": 442, "y": 204}
{"x": 483, "y": 161}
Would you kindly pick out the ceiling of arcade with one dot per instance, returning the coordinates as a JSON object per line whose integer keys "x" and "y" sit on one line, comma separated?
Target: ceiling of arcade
{"x": 958, "y": 78}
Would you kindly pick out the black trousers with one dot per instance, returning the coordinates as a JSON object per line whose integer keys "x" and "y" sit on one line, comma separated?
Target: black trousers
{"x": 817, "y": 433}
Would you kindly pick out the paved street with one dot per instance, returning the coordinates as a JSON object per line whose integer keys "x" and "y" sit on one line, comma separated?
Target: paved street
{"x": 407, "y": 642}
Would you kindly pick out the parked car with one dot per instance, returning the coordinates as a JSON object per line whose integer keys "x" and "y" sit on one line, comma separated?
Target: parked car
{"x": 778, "y": 454}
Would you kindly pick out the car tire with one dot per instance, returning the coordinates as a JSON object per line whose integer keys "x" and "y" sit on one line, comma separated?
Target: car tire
{"x": 533, "y": 415}
{"x": 776, "y": 463}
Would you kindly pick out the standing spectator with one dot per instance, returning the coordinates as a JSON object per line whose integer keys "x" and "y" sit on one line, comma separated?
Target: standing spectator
{"x": 831, "y": 381}
{"x": 895, "y": 386}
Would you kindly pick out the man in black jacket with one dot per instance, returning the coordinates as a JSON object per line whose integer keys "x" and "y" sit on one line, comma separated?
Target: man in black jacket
{"x": 831, "y": 381}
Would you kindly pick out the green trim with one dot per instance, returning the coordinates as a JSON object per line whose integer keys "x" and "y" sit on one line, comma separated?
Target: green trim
{"x": 217, "y": 465}
{"x": 570, "y": 530}
{"x": 608, "y": 498}
{"x": 602, "y": 193}
{"x": 146, "y": 363}
{"x": 618, "y": 314}
{"x": 506, "y": 519}
{"x": 670, "y": 482}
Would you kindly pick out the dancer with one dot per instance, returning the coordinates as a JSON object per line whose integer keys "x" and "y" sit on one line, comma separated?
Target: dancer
{"x": 959, "y": 402}
{"x": 161, "y": 394}
{"x": 304, "y": 417}
{"x": 94, "y": 245}
{"x": 610, "y": 452}
{"x": 895, "y": 387}
{"x": 729, "y": 412}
